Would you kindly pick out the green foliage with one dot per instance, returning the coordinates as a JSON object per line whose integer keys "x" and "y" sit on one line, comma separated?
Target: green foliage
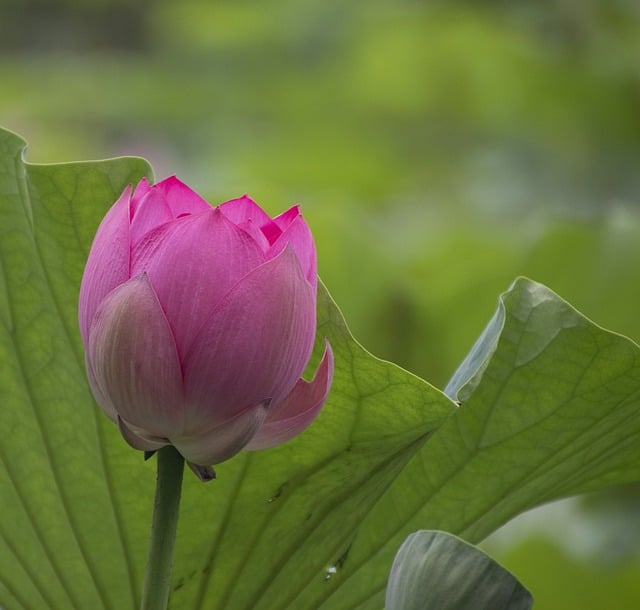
{"x": 560, "y": 579}
{"x": 58, "y": 519}
{"x": 62, "y": 456}
{"x": 436, "y": 147}
{"x": 439, "y": 149}
{"x": 437, "y": 571}
{"x": 550, "y": 408}
{"x": 515, "y": 105}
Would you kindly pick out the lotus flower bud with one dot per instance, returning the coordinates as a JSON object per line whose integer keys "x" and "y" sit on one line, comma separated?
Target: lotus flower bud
{"x": 197, "y": 323}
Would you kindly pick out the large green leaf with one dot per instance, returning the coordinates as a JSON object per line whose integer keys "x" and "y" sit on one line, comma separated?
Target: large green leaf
{"x": 551, "y": 408}
{"x": 75, "y": 500}
{"x": 65, "y": 542}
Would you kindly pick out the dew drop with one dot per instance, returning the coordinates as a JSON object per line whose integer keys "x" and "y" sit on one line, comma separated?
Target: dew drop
{"x": 330, "y": 572}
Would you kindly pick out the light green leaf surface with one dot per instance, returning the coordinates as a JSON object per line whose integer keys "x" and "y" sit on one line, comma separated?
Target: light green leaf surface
{"x": 554, "y": 411}
{"x": 64, "y": 541}
{"x": 438, "y": 571}
{"x": 551, "y": 409}
{"x": 76, "y": 500}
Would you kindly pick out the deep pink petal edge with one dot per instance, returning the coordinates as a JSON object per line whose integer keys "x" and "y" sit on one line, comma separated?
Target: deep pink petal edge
{"x": 296, "y": 412}
{"x": 257, "y": 341}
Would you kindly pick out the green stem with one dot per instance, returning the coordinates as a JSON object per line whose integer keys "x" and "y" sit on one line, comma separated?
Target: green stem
{"x": 157, "y": 579}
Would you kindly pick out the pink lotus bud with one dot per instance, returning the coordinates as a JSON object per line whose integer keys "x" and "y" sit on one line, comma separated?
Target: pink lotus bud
{"x": 197, "y": 323}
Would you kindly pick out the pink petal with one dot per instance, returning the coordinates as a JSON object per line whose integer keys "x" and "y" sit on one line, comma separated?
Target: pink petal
{"x": 108, "y": 262}
{"x": 167, "y": 200}
{"x": 297, "y": 234}
{"x": 246, "y": 214}
{"x": 142, "y": 188}
{"x": 134, "y": 359}
{"x": 254, "y": 345}
{"x": 275, "y": 227}
{"x": 182, "y": 199}
{"x": 243, "y": 209}
{"x": 256, "y": 234}
{"x": 283, "y": 220}
{"x": 292, "y": 415}
{"x": 223, "y": 441}
{"x": 192, "y": 263}
{"x": 152, "y": 211}
{"x": 271, "y": 231}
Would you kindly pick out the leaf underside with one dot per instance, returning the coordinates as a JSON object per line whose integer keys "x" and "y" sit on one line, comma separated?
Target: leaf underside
{"x": 438, "y": 571}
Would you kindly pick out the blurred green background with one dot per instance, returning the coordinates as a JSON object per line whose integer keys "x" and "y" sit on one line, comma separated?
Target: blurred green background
{"x": 439, "y": 149}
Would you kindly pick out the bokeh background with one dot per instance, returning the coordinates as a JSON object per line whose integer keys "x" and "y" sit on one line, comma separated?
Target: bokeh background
{"x": 438, "y": 148}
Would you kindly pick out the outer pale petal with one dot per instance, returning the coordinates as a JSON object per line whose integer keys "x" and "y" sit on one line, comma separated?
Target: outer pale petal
{"x": 255, "y": 344}
{"x": 108, "y": 262}
{"x": 192, "y": 263}
{"x": 102, "y": 399}
{"x": 134, "y": 359}
{"x": 143, "y": 442}
{"x": 224, "y": 441}
{"x": 296, "y": 232}
{"x": 293, "y": 414}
